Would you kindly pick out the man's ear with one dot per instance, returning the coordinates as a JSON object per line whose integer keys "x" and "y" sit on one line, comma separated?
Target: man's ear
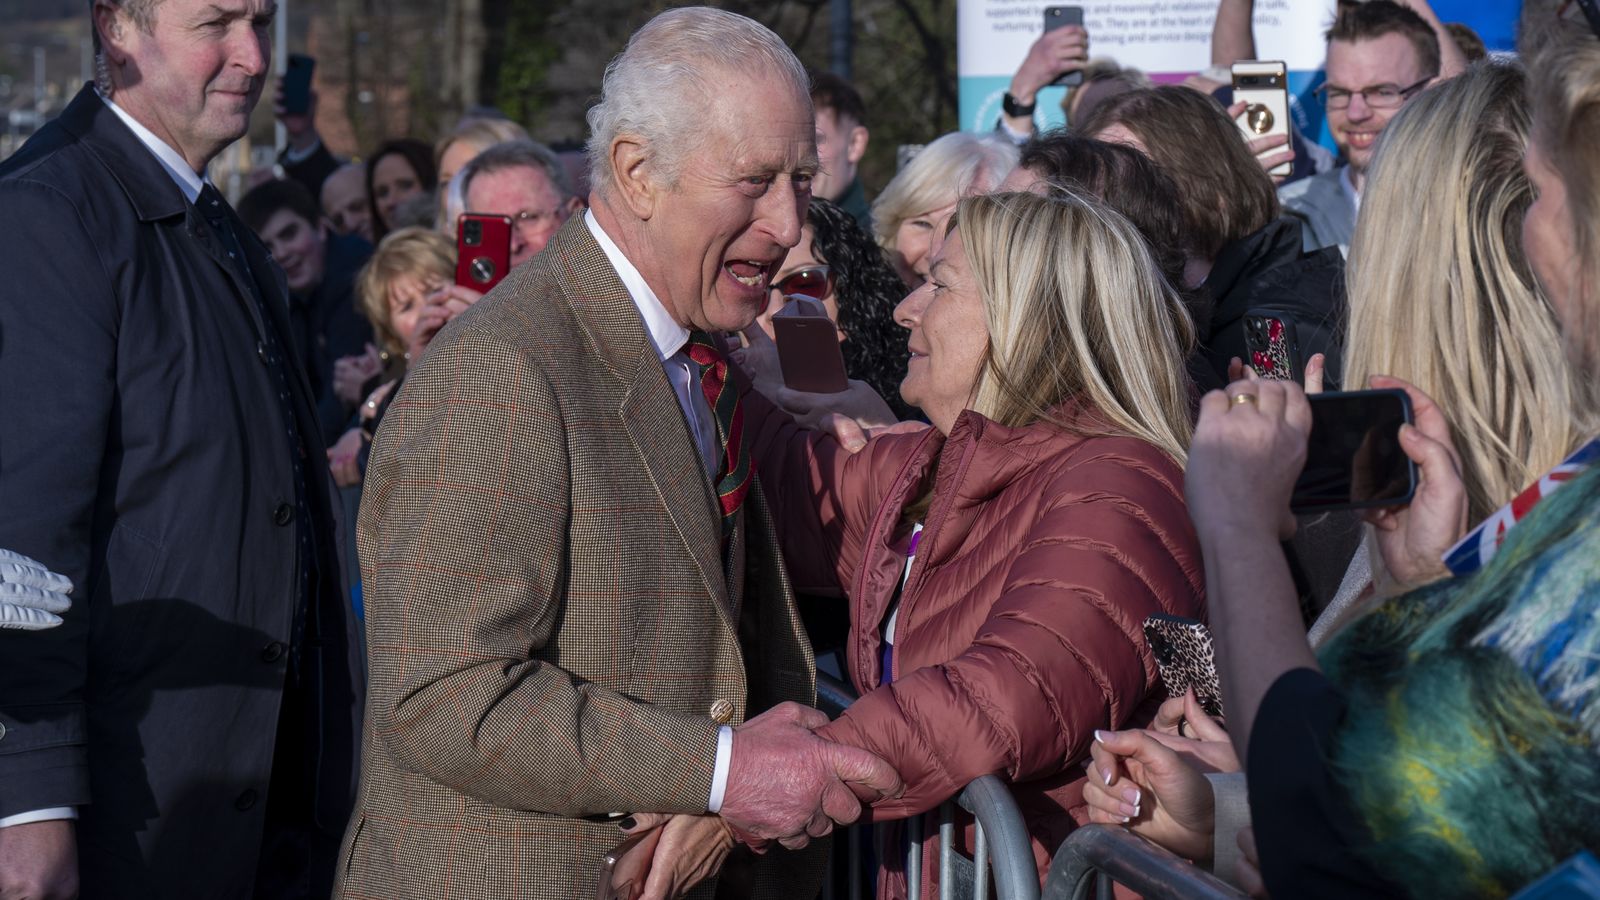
{"x": 632, "y": 176}
{"x": 857, "y": 147}
{"x": 108, "y": 21}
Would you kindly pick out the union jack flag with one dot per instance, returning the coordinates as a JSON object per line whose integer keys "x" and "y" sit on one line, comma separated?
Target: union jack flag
{"x": 1475, "y": 550}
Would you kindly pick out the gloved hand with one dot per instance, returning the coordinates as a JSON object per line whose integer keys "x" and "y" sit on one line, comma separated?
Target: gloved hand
{"x": 30, "y": 594}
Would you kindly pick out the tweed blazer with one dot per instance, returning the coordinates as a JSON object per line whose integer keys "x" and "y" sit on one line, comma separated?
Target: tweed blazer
{"x": 553, "y": 633}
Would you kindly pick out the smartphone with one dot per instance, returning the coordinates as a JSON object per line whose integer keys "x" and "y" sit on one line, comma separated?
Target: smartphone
{"x": 808, "y": 348}
{"x": 1185, "y": 659}
{"x": 483, "y": 250}
{"x": 1060, "y": 17}
{"x": 297, "y": 84}
{"x": 1264, "y": 86}
{"x": 1354, "y": 459}
{"x": 1273, "y": 346}
{"x": 625, "y": 867}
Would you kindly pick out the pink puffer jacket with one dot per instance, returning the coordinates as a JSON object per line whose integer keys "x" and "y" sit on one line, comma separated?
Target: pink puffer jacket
{"x": 1020, "y": 630}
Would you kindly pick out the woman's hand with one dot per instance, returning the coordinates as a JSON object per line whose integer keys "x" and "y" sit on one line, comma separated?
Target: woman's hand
{"x": 1412, "y": 539}
{"x": 691, "y": 849}
{"x": 1183, "y": 725}
{"x": 859, "y": 402}
{"x": 1055, "y": 53}
{"x": 853, "y": 436}
{"x": 1249, "y": 869}
{"x": 343, "y": 459}
{"x": 1247, "y": 452}
{"x": 1135, "y": 780}
{"x": 350, "y": 373}
{"x": 454, "y": 298}
{"x": 1315, "y": 367}
{"x": 1261, "y": 145}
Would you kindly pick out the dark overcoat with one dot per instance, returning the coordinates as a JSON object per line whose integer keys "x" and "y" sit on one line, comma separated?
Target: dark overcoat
{"x": 143, "y": 453}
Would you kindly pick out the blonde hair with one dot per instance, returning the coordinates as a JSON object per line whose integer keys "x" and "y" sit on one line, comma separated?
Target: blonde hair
{"x": 1076, "y": 307}
{"x": 1441, "y": 292}
{"x": 481, "y": 134}
{"x": 419, "y": 252}
{"x": 1564, "y": 85}
{"x": 944, "y": 171}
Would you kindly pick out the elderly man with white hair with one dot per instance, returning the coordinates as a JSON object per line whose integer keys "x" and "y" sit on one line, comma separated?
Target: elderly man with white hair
{"x": 576, "y": 611}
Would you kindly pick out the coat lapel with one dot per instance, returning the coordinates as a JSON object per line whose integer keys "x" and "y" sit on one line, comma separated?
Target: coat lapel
{"x": 649, "y": 408}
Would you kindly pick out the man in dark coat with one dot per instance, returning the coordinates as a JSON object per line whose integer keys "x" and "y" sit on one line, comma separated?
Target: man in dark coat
{"x": 188, "y": 730}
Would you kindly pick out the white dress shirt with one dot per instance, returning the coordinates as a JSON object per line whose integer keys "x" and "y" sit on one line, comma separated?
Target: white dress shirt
{"x": 190, "y": 182}
{"x": 683, "y": 374}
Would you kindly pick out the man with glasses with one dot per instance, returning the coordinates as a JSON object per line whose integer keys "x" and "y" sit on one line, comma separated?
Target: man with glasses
{"x": 1380, "y": 54}
{"x": 526, "y": 181}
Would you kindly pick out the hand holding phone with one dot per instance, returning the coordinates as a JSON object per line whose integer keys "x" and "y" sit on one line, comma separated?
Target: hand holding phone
{"x": 1273, "y": 346}
{"x": 625, "y": 867}
{"x": 1185, "y": 659}
{"x": 1056, "y": 17}
{"x": 1263, "y": 87}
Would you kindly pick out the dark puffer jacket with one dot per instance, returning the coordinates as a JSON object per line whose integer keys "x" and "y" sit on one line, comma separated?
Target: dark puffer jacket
{"x": 1020, "y": 630}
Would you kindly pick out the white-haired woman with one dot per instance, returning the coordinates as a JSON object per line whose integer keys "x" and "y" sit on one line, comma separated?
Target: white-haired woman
{"x": 911, "y": 214}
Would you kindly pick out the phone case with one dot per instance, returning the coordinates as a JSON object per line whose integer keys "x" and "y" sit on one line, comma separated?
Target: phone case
{"x": 1273, "y": 346}
{"x": 808, "y": 352}
{"x": 297, "y": 84}
{"x": 1185, "y": 659}
{"x": 625, "y": 867}
{"x": 1060, "y": 17}
{"x": 1264, "y": 85}
{"x": 483, "y": 250}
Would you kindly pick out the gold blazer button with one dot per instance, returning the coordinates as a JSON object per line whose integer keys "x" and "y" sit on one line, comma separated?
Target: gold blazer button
{"x": 722, "y": 712}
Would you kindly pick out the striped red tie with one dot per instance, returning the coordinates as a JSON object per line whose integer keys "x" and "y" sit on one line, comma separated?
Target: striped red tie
{"x": 736, "y": 470}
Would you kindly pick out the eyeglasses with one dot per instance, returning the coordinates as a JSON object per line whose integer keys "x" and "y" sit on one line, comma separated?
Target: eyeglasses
{"x": 537, "y": 219}
{"x": 1379, "y": 96}
{"x": 813, "y": 283}
{"x": 1591, "y": 11}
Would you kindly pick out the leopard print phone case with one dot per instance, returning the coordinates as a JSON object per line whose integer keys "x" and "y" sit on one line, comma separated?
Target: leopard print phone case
{"x": 1185, "y": 659}
{"x": 1274, "y": 347}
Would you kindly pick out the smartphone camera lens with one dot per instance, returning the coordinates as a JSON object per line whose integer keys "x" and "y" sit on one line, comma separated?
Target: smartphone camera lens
{"x": 472, "y": 232}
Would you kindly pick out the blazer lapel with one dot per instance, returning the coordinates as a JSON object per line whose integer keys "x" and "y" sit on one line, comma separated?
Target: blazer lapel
{"x": 649, "y": 408}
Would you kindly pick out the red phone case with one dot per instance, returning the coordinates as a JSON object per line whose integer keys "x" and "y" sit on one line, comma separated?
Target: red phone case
{"x": 1274, "y": 347}
{"x": 483, "y": 250}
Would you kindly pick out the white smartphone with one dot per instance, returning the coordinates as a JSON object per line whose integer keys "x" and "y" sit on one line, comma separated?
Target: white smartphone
{"x": 1264, "y": 86}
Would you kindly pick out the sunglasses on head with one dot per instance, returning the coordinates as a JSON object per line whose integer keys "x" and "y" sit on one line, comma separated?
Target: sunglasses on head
{"x": 813, "y": 283}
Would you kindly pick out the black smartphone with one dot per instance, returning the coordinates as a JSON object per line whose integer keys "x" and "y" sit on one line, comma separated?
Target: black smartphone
{"x": 1354, "y": 459}
{"x": 1060, "y": 17}
{"x": 297, "y": 84}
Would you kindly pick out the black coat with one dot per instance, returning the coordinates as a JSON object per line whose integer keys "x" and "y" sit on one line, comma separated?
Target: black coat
{"x": 1268, "y": 270}
{"x": 143, "y": 455}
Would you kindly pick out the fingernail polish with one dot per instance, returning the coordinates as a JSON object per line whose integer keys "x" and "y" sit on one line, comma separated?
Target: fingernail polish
{"x": 1107, "y": 776}
{"x": 1136, "y": 811}
{"x": 1099, "y": 737}
{"x": 627, "y": 824}
{"x": 1126, "y": 820}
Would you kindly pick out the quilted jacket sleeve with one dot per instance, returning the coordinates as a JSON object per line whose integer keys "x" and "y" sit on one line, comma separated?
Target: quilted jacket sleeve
{"x": 1060, "y": 654}
{"x": 822, "y": 496}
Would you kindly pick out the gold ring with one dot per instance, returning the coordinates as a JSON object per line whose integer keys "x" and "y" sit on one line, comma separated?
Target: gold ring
{"x": 1243, "y": 397}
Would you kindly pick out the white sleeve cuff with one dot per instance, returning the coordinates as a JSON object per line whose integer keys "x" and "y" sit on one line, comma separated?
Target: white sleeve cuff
{"x": 719, "y": 775}
{"x": 39, "y": 815}
{"x": 1017, "y": 137}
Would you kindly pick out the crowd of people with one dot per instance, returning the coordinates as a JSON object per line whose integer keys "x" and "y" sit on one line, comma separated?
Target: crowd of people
{"x": 603, "y": 548}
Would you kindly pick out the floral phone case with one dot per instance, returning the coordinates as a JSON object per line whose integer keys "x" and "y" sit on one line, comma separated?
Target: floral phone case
{"x": 1274, "y": 348}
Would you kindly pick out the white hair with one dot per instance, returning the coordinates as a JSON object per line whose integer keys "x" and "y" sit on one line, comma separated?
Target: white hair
{"x": 656, "y": 87}
{"x": 956, "y": 165}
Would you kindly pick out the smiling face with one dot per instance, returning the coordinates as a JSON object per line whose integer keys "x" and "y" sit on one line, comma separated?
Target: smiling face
{"x": 195, "y": 77}
{"x": 393, "y": 183}
{"x": 949, "y": 337}
{"x": 715, "y": 240}
{"x": 1355, "y": 65}
{"x": 915, "y": 241}
{"x": 298, "y": 247}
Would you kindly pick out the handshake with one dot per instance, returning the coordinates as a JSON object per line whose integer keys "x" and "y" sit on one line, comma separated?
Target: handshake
{"x": 785, "y": 784}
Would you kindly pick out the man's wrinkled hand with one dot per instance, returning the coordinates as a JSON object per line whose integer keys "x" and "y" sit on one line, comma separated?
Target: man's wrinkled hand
{"x": 39, "y": 861}
{"x": 31, "y": 596}
{"x": 787, "y": 784}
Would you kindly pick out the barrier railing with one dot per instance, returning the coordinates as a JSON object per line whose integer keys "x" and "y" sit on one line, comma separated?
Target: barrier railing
{"x": 1094, "y": 856}
{"x": 1001, "y": 846}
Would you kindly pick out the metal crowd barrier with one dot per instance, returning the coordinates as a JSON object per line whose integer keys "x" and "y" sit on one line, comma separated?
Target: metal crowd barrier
{"x": 1094, "y": 856}
{"x": 1001, "y": 848}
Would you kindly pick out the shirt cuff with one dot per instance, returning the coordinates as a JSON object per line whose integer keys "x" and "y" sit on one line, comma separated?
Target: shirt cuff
{"x": 1017, "y": 137}
{"x": 719, "y": 775}
{"x": 291, "y": 156}
{"x": 40, "y": 815}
